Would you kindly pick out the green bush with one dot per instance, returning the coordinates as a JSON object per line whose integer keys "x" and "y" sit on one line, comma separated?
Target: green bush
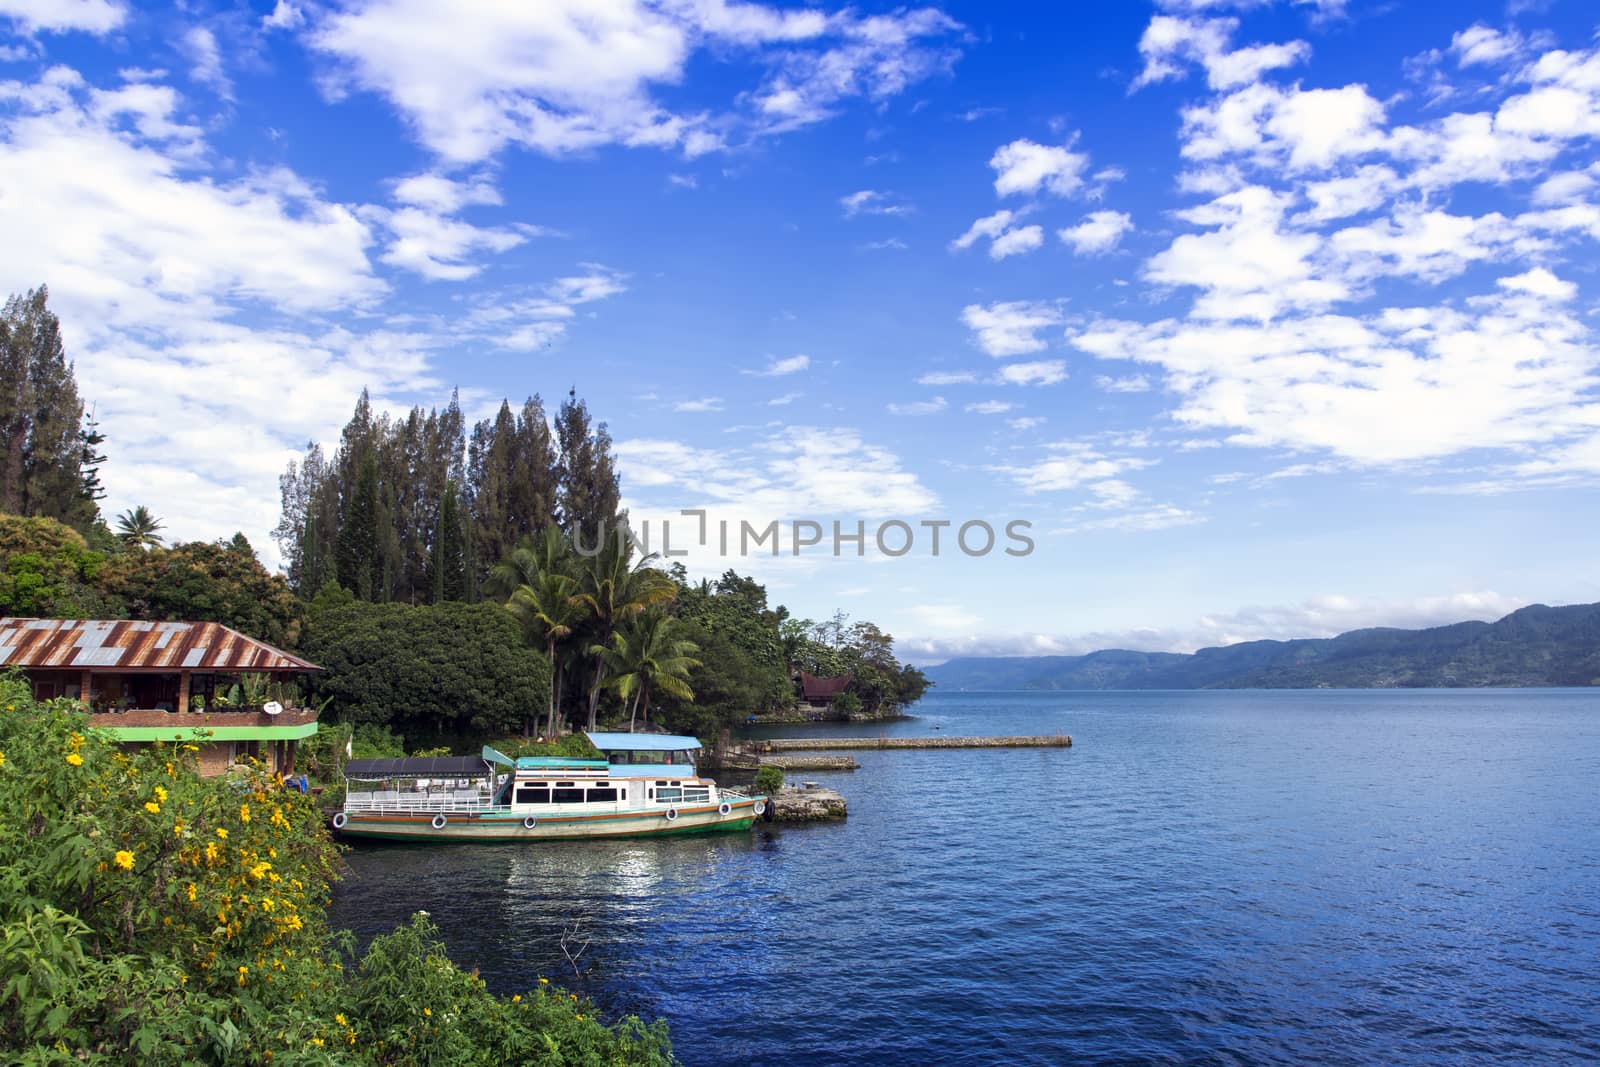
{"x": 769, "y": 780}
{"x": 150, "y": 915}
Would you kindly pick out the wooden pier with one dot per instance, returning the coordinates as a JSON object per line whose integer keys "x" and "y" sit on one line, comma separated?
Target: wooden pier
{"x": 793, "y": 744}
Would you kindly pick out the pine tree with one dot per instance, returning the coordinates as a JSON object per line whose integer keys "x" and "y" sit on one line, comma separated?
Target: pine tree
{"x": 589, "y": 493}
{"x": 360, "y": 561}
{"x": 50, "y": 462}
{"x": 449, "y": 551}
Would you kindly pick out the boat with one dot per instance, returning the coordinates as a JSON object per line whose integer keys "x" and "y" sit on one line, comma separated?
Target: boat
{"x": 644, "y": 786}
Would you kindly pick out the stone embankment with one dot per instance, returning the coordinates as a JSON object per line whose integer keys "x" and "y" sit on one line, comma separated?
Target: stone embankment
{"x": 794, "y": 804}
{"x": 791, "y": 744}
{"x": 745, "y": 761}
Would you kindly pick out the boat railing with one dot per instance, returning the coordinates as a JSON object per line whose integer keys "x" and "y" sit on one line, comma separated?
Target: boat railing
{"x": 401, "y": 801}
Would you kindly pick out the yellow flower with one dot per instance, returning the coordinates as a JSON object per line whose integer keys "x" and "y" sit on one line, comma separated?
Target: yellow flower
{"x": 580, "y": 1018}
{"x": 222, "y": 832}
{"x": 544, "y": 981}
{"x": 161, "y": 794}
{"x": 192, "y": 892}
{"x": 517, "y": 998}
{"x": 428, "y": 1012}
{"x": 2, "y": 759}
{"x": 74, "y": 759}
{"x": 317, "y": 1041}
{"x": 152, "y": 807}
{"x": 191, "y": 748}
{"x": 124, "y": 860}
{"x": 244, "y": 813}
{"x": 340, "y": 1019}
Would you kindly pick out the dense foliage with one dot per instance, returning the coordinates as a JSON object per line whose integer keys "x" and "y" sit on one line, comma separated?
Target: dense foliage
{"x": 48, "y": 570}
{"x": 150, "y": 915}
{"x": 434, "y": 673}
{"x": 1536, "y": 646}
{"x": 203, "y": 581}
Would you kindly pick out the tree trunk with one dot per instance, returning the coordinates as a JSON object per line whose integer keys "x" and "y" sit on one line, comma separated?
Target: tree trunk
{"x": 594, "y": 692}
{"x": 550, "y": 647}
{"x": 561, "y": 673}
{"x": 644, "y": 693}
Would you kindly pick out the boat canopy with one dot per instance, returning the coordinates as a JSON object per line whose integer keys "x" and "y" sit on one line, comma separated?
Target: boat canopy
{"x": 648, "y": 755}
{"x": 373, "y": 770}
{"x": 644, "y": 742}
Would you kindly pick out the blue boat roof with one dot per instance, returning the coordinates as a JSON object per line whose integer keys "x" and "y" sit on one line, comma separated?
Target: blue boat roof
{"x": 556, "y": 763}
{"x": 644, "y": 742}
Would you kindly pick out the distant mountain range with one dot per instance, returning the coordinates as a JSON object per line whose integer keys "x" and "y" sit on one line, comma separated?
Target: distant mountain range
{"x": 1536, "y": 646}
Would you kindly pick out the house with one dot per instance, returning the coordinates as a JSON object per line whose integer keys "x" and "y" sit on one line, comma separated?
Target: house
{"x": 817, "y": 694}
{"x": 167, "y": 681}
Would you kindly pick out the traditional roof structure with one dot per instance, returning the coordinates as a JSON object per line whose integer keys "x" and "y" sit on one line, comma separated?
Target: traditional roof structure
{"x": 132, "y": 645}
{"x": 822, "y": 690}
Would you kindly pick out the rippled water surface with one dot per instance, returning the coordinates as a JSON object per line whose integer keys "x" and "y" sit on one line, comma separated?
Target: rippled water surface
{"x": 1231, "y": 878}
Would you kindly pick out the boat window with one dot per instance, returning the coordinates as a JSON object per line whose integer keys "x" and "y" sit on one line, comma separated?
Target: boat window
{"x": 568, "y": 796}
{"x": 669, "y": 794}
{"x": 533, "y": 796}
{"x": 651, "y": 794}
{"x": 602, "y": 794}
{"x": 662, "y": 783}
{"x": 565, "y": 785}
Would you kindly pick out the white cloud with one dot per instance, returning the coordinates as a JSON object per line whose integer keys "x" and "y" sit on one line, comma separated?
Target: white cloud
{"x": 529, "y": 318}
{"x": 778, "y": 368}
{"x": 1071, "y": 465}
{"x": 284, "y": 16}
{"x": 1004, "y": 238}
{"x": 1041, "y": 372}
{"x": 1539, "y": 282}
{"x": 705, "y": 403}
{"x": 784, "y": 400}
{"x": 1169, "y": 43}
{"x": 1099, "y": 232}
{"x": 1024, "y": 166}
{"x": 564, "y": 76}
{"x": 1136, "y": 383}
{"x": 60, "y": 16}
{"x": 1482, "y": 45}
{"x": 1026, "y": 422}
{"x": 200, "y": 45}
{"x": 874, "y": 202}
{"x": 918, "y": 407}
{"x": 1009, "y": 328}
{"x": 991, "y": 407}
{"x": 961, "y": 377}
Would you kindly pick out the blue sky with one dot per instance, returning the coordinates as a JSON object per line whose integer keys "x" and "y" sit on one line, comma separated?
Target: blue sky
{"x": 1273, "y": 319}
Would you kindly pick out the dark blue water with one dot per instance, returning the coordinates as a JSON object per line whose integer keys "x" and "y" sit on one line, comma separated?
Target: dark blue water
{"x": 1229, "y": 878}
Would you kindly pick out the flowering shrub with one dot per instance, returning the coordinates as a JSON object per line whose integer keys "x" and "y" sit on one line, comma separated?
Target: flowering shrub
{"x": 151, "y": 915}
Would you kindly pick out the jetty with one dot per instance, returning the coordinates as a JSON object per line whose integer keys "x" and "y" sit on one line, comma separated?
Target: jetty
{"x": 793, "y": 744}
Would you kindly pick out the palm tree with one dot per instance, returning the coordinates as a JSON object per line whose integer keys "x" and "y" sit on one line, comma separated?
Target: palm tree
{"x": 137, "y": 528}
{"x": 645, "y": 655}
{"x": 545, "y": 597}
{"x": 550, "y": 609}
{"x": 615, "y": 588}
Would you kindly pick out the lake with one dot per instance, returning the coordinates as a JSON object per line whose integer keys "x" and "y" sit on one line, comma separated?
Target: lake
{"x": 1340, "y": 877}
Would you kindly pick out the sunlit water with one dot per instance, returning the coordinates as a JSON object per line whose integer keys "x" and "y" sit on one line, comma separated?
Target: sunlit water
{"x": 1230, "y": 878}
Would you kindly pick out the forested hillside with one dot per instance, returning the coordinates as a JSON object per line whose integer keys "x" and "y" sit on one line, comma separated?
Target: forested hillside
{"x": 1536, "y": 646}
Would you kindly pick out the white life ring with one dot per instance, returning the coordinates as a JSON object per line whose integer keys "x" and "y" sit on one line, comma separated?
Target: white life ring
{"x": 761, "y": 807}
{"x": 339, "y": 819}
{"x": 672, "y": 814}
{"x": 529, "y": 823}
{"x": 724, "y": 808}
{"x": 439, "y": 821}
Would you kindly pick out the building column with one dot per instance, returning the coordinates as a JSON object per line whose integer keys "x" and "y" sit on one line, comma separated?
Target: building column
{"x": 183, "y": 692}
{"x": 85, "y": 683}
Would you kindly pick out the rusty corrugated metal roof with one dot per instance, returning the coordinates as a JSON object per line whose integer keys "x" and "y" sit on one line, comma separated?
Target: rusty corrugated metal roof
{"x": 133, "y": 645}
